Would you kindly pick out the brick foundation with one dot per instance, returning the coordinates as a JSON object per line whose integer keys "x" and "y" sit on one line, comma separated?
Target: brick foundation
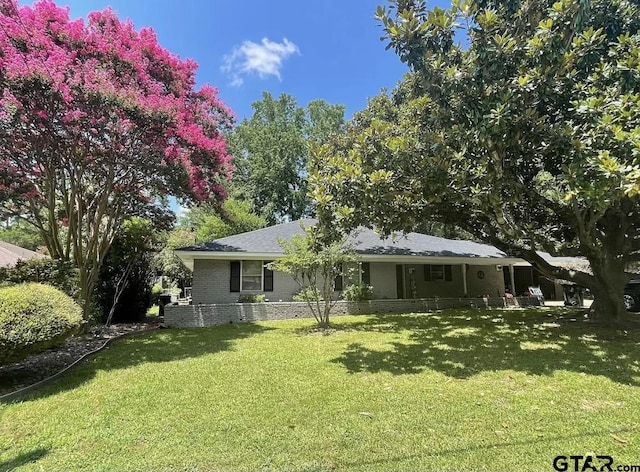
{"x": 191, "y": 316}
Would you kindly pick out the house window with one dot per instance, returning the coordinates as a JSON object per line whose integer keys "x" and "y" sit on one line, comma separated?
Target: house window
{"x": 354, "y": 273}
{"x": 437, "y": 272}
{"x": 250, "y": 276}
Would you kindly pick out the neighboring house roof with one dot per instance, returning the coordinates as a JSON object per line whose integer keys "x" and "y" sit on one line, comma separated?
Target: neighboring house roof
{"x": 264, "y": 243}
{"x": 571, "y": 263}
{"x": 10, "y": 254}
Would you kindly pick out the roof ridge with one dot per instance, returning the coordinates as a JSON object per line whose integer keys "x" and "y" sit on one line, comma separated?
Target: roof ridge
{"x": 266, "y": 228}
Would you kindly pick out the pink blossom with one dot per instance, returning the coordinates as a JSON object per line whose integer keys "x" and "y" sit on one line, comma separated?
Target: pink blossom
{"x": 120, "y": 101}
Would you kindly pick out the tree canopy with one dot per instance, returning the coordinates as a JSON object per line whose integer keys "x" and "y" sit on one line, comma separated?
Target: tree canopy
{"x": 271, "y": 151}
{"x": 21, "y": 234}
{"x": 211, "y": 222}
{"x": 98, "y": 123}
{"x": 519, "y": 122}
{"x": 170, "y": 265}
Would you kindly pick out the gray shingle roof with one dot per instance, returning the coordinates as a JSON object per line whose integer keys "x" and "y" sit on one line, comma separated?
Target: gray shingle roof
{"x": 367, "y": 241}
{"x": 263, "y": 240}
{"x": 364, "y": 241}
{"x": 10, "y": 254}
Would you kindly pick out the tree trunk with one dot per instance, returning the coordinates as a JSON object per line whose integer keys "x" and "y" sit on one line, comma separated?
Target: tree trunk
{"x": 120, "y": 286}
{"x": 607, "y": 287}
{"x": 87, "y": 287}
{"x": 326, "y": 313}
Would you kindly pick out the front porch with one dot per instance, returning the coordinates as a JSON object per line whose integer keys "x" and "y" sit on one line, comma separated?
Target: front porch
{"x": 423, "y": 281}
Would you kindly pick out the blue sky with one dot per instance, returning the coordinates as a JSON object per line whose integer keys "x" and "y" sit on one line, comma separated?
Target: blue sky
{"x": 327, "y": 49}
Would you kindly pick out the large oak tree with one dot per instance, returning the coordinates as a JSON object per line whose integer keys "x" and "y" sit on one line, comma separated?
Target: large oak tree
{"x": 271, "y": 150}
{"x": 97, "y": 123}
{"x": 519, "y": 122}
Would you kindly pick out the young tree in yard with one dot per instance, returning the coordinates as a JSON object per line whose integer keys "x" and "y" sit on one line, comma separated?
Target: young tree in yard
{"x": 97, "y": 123}
{"x": 271, "y": 150}
{"x": 526, "y": 137}
{"x": 314, "y": 267}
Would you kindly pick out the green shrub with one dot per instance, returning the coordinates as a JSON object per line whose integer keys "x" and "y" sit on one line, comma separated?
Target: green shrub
{"x": 135, "y": 299}
{"x": 61, "y": 274}
{"x": 156, "y": 291}
{"x": 33, "y": 318}
{"x": 308, "y": 294}
{"x": 252, "y": 298}
{"x": 357, "y": 293}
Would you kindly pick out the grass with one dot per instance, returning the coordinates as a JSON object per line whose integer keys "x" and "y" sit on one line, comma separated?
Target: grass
{"x": 455, "y": 390}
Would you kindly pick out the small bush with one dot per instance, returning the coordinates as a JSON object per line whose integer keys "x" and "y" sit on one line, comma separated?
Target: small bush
{"x": 252, "y": 298}
{"x": 33, "y": 318}
{"x": 308, "y": 294}
{"x": 357, "y": 293}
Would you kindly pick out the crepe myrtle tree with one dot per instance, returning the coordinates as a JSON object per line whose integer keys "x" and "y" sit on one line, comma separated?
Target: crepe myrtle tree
{"x": 314, "y": 266}
{"x": 99, "y": 123}
{"x": 519, "y": 122}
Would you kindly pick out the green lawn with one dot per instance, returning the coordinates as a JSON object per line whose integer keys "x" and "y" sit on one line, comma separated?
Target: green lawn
{"x": 456, "y": 390}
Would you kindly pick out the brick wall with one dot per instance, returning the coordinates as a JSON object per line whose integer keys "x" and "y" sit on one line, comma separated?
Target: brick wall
{"x": 211, "y": 284}
{"x": 188, "y": 316}
{"x": 491, "y": 283}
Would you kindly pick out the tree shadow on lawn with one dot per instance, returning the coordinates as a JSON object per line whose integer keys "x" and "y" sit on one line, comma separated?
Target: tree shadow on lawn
{"x": 489, "y": 445}
{"x": 151, "y": 347}
{"x": 23, "y": 459}
{"x": 463, "y": 343}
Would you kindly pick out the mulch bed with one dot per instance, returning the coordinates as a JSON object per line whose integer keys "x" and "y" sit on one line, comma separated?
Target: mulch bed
{"x": 41, "y": 366}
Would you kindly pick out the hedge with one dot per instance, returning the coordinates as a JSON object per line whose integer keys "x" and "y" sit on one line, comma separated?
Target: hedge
{"x": 61, "y": 274}
{"x": 33, "y": 318}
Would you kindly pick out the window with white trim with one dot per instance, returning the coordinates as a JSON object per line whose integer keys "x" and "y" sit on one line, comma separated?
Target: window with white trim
{"x": 251, "y": 276}
{"x": 353, "y": 273}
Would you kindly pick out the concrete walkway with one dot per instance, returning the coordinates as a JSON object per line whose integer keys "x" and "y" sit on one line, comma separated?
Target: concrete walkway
{"x": 587, "y": 303}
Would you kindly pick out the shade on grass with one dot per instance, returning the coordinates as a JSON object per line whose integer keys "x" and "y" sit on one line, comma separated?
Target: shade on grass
{"x": 488, "y": 390}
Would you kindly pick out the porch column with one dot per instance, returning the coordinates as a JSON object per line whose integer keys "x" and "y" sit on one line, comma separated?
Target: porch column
{"x": 464, "y": 279}
{"x": 512, "y": 280}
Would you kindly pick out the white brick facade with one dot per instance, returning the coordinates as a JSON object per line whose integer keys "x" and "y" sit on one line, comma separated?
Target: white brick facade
{"x": 211, "y": 282}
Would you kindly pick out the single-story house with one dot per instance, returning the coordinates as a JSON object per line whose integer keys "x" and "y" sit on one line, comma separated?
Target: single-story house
{"x": 10, "y": 254}
{"x": 404, "y": 267}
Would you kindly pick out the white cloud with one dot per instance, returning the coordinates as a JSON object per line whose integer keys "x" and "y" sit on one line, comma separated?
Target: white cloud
{"x": 264, "y": 59}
